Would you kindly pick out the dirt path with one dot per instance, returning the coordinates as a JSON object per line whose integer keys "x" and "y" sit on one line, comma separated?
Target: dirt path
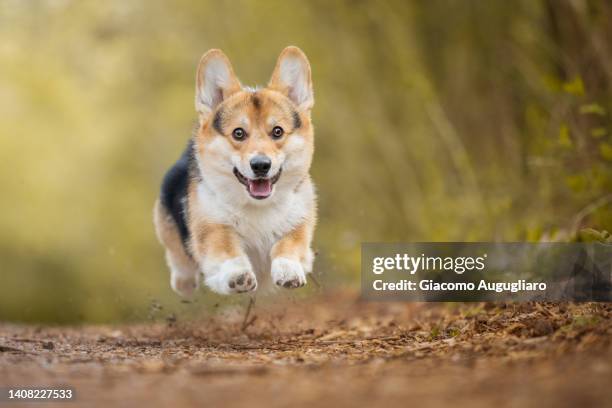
{"x": 330, "y": 351}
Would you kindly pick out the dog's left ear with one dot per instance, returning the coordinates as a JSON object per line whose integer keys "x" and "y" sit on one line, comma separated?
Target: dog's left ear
{"x": 215, "y": 81}
{"x": 292, "y": 77}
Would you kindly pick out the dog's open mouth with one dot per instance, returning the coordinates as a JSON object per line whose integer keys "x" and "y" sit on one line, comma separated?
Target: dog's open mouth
{"x": 258, "y": 188}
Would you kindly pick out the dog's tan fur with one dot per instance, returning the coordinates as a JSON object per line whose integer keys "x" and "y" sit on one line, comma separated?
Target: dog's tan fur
{"x": 233, "y": 238}
{"x": 176, "y": 256}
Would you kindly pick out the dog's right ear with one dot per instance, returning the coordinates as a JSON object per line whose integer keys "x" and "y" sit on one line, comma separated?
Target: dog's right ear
{"x": 292, "y": 77}
{"x": 215, "y": 81}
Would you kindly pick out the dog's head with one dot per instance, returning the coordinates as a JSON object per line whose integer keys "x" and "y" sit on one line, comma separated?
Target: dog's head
{"x": 253, "y": 144}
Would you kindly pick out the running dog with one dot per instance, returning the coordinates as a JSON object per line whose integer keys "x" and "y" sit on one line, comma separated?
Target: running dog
{"x": 239, "y": 206}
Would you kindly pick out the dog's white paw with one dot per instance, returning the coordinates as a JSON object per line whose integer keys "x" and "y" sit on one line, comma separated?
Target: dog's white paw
{"x": 184, "y": 285}
{"x": 231, "y": 276}
{"x": 184, "y": 276}
{"x": 288, "y": 273}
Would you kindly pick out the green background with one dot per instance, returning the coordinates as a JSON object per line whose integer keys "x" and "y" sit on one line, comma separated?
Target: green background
{"x": 435, "y": 121}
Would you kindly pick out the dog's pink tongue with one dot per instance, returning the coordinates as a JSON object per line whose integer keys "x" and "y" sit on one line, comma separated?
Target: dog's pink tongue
{"x": 260, "y": 188}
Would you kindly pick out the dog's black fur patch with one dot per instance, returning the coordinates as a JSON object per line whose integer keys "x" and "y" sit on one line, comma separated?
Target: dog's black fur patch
{"x": 217, "y": 121}
{"x": 256, "y": 101}
{"x": 297, "y": 121}
{"x": 174, "y": 189}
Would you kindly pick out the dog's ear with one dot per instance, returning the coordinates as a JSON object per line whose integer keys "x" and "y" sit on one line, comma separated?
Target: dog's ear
{"x": 292, "y": 77}
{"x": 215, "y": 81}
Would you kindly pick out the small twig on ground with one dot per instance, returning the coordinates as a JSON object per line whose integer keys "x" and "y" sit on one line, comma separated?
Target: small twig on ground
{"x": 7, "y": 349}
{"x": 246, "y": 323}
{"x": 4, "y": 349}
{"x": 250, "y": 322}
{"x": 315, "y": 280}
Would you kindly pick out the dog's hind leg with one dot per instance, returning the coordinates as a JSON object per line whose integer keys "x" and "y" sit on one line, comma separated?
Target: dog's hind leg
{"x": 184, "y": 272}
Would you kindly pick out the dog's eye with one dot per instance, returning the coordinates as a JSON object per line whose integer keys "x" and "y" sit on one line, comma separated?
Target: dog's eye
{"x": 277, "y": 132}
{"x": 238, "y": 134}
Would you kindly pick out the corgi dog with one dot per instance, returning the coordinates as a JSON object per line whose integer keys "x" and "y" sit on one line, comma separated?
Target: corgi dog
{"x": 239, "y": 207}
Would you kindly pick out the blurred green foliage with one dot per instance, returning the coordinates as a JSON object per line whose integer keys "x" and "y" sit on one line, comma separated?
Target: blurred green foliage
{"x": 439, "y": 120}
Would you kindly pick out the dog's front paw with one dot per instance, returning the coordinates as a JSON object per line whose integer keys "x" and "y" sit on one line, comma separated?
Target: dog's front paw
{"x": 288, "y": 273}
{"x": 231, "y": 276}
{"x": 184, "y": 285}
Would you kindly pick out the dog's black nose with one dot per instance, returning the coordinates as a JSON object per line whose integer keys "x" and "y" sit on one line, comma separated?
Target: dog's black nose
{"x": 261, "y": 165}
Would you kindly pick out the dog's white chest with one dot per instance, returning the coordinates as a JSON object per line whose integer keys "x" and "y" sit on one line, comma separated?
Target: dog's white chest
{"x": 260, "y": 226}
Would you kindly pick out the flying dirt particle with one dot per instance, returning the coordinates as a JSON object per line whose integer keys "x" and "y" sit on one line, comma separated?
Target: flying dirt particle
{"x": 171, "y": 320}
